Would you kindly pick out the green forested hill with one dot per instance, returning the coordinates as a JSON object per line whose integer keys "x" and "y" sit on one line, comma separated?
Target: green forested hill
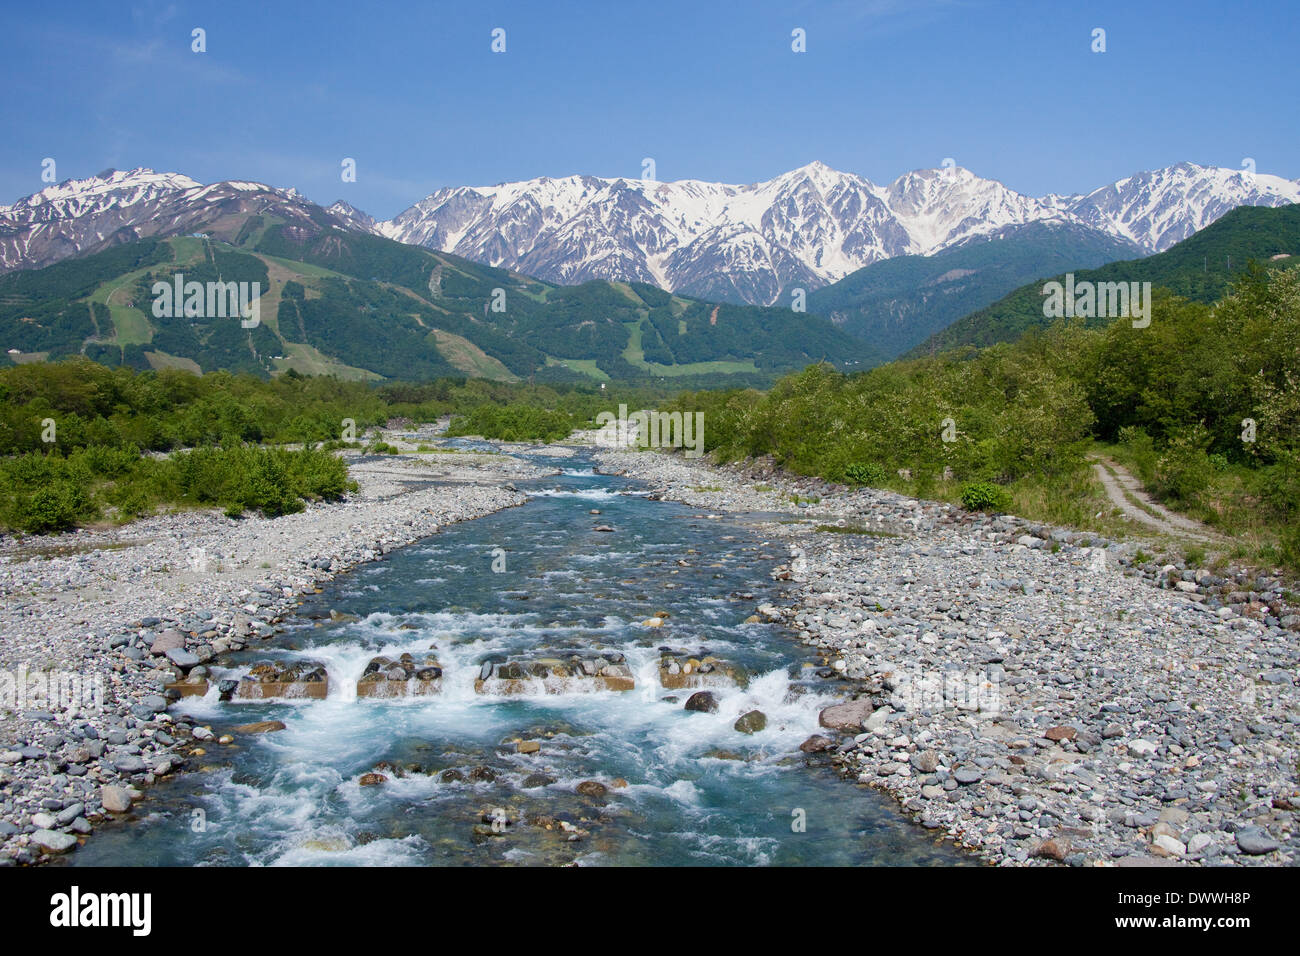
{"x": 362, "y": 306}
{"x": 900, "y": 302}
{"x": 1200, "y": 268}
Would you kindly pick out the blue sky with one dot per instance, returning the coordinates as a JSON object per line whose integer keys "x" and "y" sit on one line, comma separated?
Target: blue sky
{"x": 710, "y": 90}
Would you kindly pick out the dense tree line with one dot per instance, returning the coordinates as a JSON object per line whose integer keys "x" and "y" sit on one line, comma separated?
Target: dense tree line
{"x": 80, "y": 441}
{"x": 1205, "y": 402}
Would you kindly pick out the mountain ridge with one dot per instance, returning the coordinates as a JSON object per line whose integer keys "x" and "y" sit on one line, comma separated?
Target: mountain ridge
{"x": 751, "y": 243}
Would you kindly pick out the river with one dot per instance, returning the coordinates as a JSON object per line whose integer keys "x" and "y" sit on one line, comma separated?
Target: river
{"x": 679, "y": 787}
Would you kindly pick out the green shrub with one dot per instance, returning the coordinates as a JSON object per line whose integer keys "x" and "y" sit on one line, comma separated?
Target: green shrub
{"x": 514, "y": 423}
{"x": 985, "y": 496}
{"x": 1184, "y": 472}
{"x": 55, "y": 507}
{"x": 866, "y": 474}
{"x": 1141, "y": 449}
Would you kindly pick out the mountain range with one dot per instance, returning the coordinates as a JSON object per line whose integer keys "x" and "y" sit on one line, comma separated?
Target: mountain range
{"x": 804, "y": 229}
{"x": 754, "y": 243}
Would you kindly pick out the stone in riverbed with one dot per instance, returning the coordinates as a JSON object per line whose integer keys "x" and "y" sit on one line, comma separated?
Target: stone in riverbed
{"x": 259, "y": 727}
{"x": 816, "y": 744}
{"x": 967, "y": 775}
{"x": 1060, "y": 733}
{"x": 182, "y": 658}
{"x": 751, "y": 722}
{"x": 551, "y": 675}
{"x": 592, "y": 788}
{"x": 702, "y": 701}
{"x": 1166, "y": 845}
{"x": 1255, "y": 841}
{"x": 128, "y": 763}
{"x": 1056, "y": 849}
{"x": 52, "y": 841}
{"x": 847, "y": 718}
{"x": 927, "y": 761}
{"x": 167, "y": 641}
{"x": 371, "y": 779}
{"x": 115, "y": 799}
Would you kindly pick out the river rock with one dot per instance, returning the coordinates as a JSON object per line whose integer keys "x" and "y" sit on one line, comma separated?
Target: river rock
{"x": 751, "y": 722}
{"x": 1255, "y": 841}
{"x": 259, "y": 727}
{"x": 702, "y": 701}
{"x": 848, "y": 718}
{"x": 182, "y": 658}
{"x": 51, "y": 841}
{"x": 115, "y": 799}
{"x": 169, "y": 640}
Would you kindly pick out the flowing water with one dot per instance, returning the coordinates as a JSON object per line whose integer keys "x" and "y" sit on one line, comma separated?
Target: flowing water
{"x": 697, "y": 790}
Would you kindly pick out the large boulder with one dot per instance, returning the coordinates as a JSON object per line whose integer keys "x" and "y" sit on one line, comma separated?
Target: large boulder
{"x": 703, "y": 702}
{"x": 115, "y": 799}
{"x": 52, "y": 841}
{"x": 169, "y": 640}
{"x": 849, "y": 717}
{"x": 182, "y": 658}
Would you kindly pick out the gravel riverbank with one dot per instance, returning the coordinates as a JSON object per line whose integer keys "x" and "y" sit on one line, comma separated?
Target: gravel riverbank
{"x": 103, "y": 619}
{"x": 1031, "y": 691}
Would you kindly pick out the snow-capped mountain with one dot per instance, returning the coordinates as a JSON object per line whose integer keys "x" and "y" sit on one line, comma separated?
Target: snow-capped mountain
{"x": 1159, "y": 208}
{"x": 750, "y": 243}
{"x": 808, "y": 227}
{"x": 81, "y": 216}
